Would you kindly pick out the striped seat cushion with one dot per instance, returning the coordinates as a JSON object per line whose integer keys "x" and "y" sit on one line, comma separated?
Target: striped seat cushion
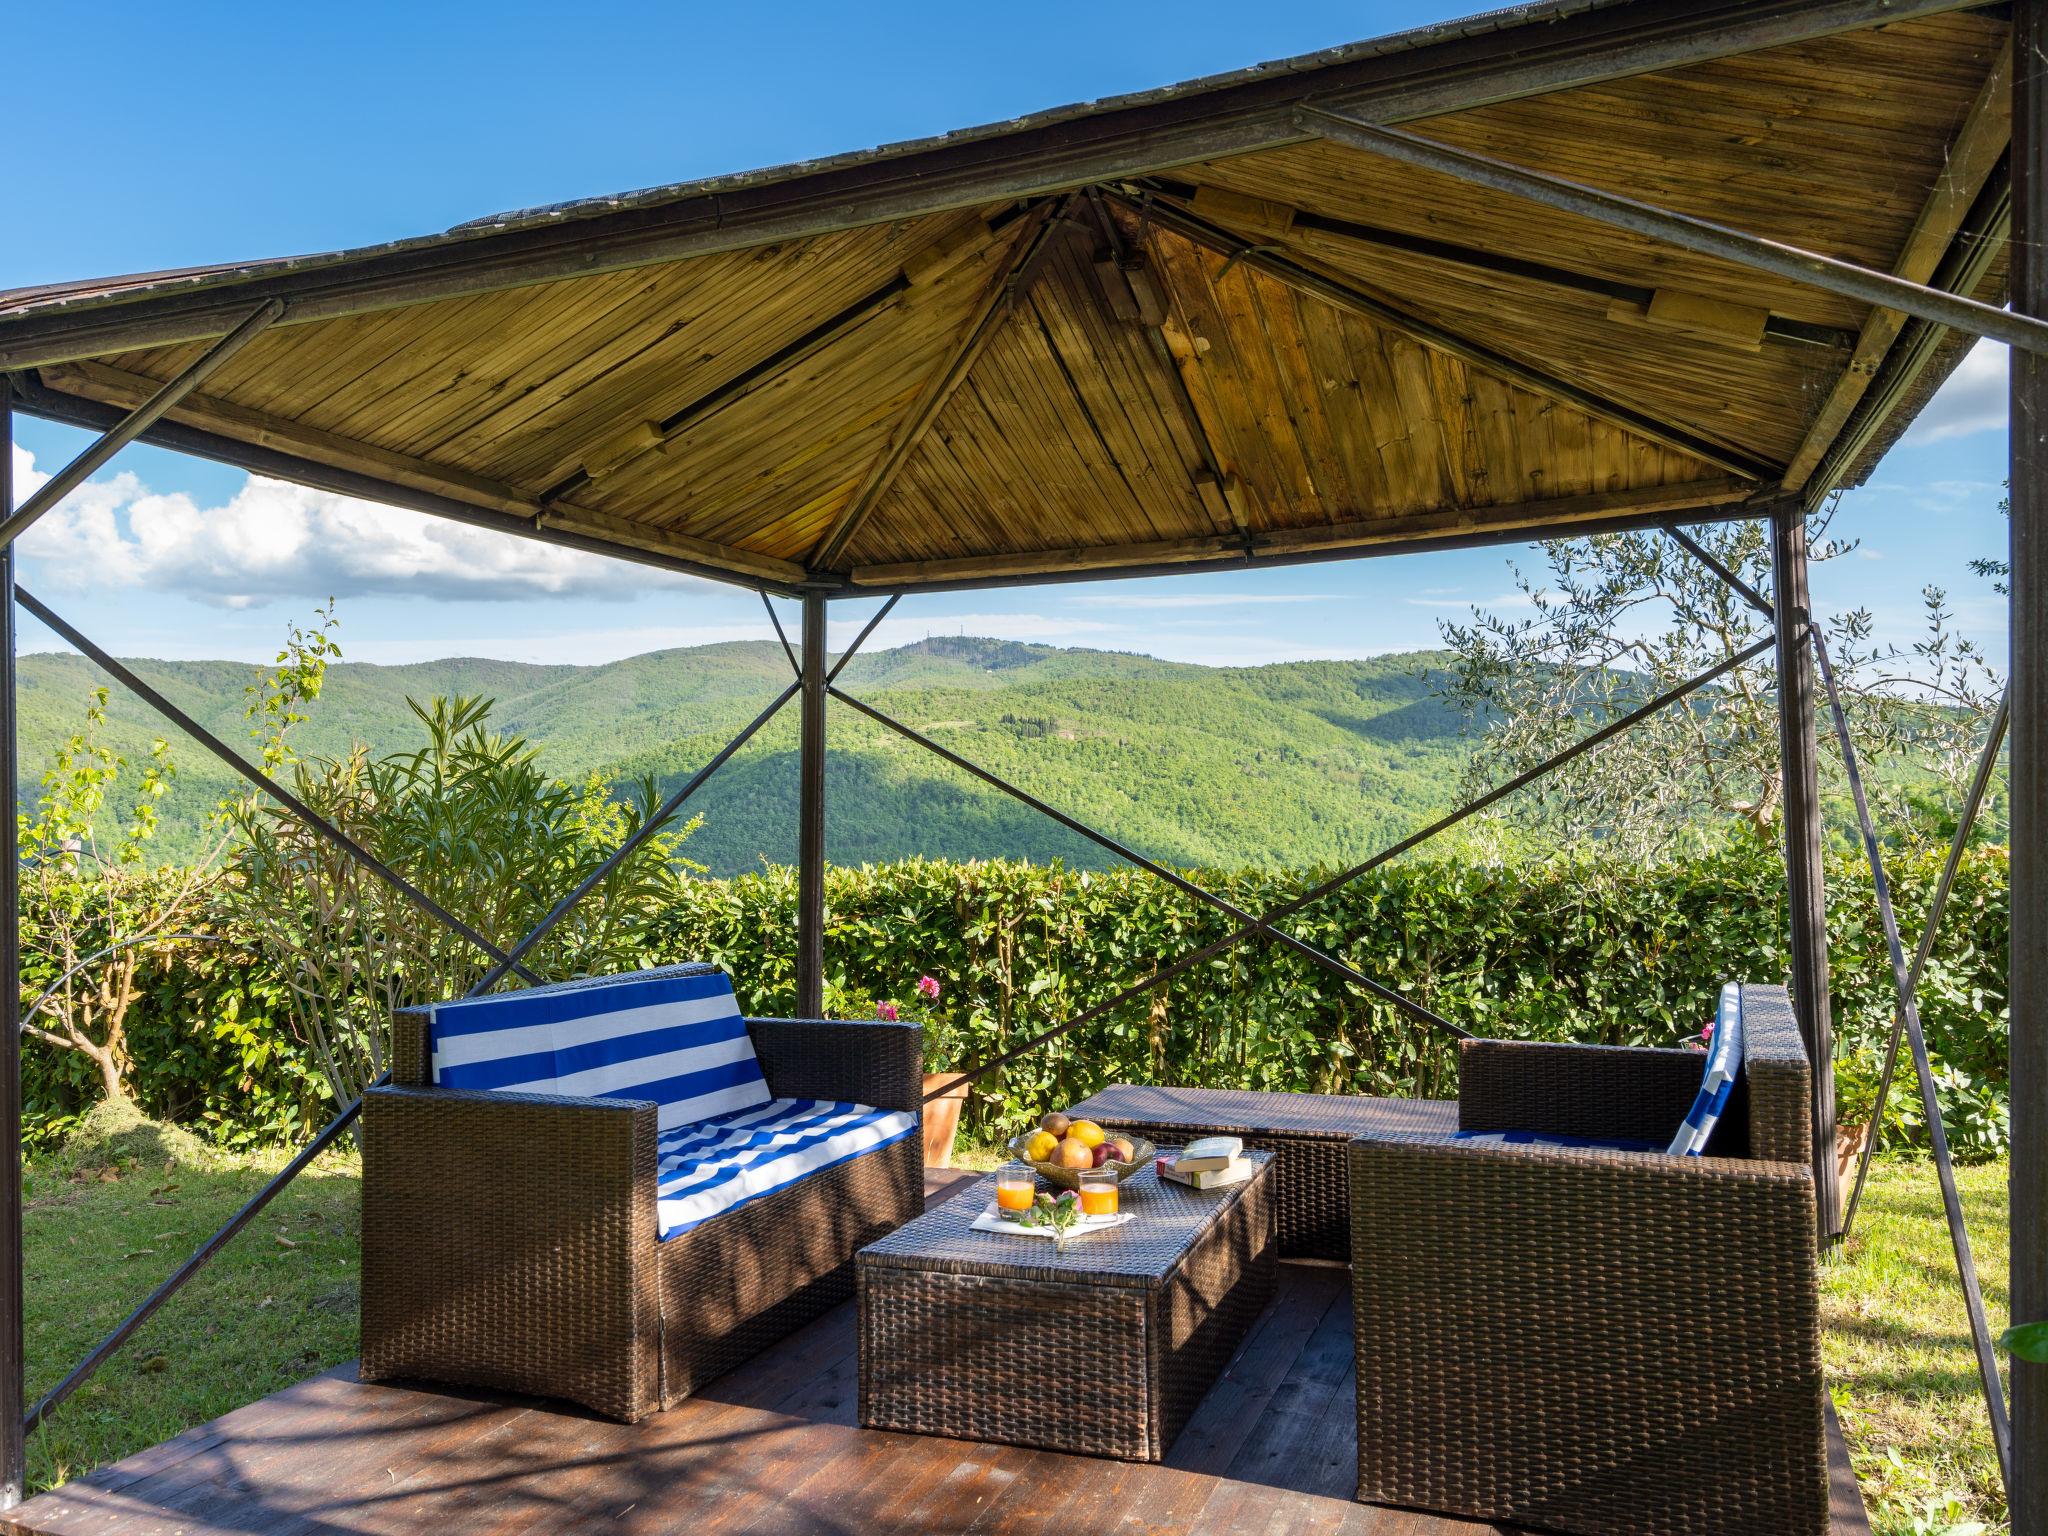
{"x": 674, "y": 1036}
{"x": 1717, "y": 1086}
{"x": 721, "y": 1163}
{"x": 1540, "y": 1139}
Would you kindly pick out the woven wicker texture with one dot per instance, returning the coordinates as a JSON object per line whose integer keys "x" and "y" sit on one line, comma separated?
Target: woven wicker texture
{"x": 509, "y": 1239}
{"x": 1104, "y": 1347}
{"x": 1617, "y": 1344}
{"x": 1308, "y": 1133}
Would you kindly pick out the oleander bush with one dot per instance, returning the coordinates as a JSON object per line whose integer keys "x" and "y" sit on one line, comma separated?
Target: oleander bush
{"x": 1580, "y": 949}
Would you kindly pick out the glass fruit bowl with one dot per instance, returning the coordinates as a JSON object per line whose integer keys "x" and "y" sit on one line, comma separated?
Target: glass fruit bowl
{"x": 1142, "y": 1153}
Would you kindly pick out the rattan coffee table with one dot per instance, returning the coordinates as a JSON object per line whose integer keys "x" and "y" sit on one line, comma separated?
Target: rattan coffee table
{"x": 1103, "y": 1347}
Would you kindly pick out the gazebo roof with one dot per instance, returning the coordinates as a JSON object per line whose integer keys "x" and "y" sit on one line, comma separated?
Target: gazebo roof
{"x": 1169, "y": 330}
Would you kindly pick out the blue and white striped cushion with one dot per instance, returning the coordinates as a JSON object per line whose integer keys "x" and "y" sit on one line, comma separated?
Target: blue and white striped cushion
{"x": 721, "y": 1163}
{"x": 1724, "y": 1060}
{"x": 674, "y": 1036}
{"x": 1542, "y": 1139}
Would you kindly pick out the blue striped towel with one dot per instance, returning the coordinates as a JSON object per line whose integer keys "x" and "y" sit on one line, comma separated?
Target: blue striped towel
{"x": 723, "y": 1162}
{"x": 1724, "y": 1060}
{"x": 674, "y": 1036}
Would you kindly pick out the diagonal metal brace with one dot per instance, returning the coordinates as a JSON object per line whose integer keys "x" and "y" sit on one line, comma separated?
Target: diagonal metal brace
{"x": 137, "y": 422}
{"x": 1980, "y": 784}
{"x": 1172, "y": 877}
{"x": 1308, "y": 898}
{"x": 291, "y": 802}
{"x": 1937, "y": 1134}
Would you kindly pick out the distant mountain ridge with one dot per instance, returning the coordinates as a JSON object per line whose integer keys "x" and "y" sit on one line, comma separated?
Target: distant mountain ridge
{"x": 1274, "y": 765}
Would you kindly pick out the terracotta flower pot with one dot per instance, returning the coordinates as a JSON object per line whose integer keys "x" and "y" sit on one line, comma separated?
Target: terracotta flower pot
{"x": 942, "y": 1117}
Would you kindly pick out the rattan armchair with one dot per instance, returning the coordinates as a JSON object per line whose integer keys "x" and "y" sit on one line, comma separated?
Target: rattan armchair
{"x": 1597, "y": 1341}
{"x": 509, "y": 1239}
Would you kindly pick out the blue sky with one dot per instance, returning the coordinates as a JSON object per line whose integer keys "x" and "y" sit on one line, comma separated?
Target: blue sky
{"x": 214, "y": 132}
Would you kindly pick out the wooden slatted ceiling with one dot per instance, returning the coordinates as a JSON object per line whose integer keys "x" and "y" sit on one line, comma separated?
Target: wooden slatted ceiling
{"x": 1071, "y": 434}
{"x": 1324, "y": 418}
{"x": 1833, "y": 145}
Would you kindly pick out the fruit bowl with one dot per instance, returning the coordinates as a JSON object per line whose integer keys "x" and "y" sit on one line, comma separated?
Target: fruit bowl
{"x": 1070, "y": 1178}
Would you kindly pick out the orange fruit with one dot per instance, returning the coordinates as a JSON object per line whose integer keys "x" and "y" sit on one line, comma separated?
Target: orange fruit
{"x": 1087, "y": 1132}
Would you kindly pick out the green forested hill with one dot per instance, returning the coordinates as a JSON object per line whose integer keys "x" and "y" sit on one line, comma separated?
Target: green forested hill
{"x": 1193, "y": 765}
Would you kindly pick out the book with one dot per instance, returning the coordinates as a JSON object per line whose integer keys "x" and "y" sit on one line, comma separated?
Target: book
{"x": 1235, "y": 1171}
{"x": 1210, "y": 1154}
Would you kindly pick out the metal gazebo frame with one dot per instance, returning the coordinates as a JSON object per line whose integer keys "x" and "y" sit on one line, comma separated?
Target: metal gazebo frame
{"x": 1113, "y": 172}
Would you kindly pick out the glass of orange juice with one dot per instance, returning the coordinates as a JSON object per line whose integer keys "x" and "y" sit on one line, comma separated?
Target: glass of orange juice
{"x": 1015, "y": 1187}
{"x": 1098, "y": 1192}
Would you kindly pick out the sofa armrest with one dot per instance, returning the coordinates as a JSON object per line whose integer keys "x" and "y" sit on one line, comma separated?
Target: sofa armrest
{"x": 509, "y": 1242}
{"x": 1615, "y": 1092}
{"x": 878, "y": 1062}
{"x": 1649, "y": 1322}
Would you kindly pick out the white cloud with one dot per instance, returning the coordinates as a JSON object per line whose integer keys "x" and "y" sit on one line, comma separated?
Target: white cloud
{"x": 1972, "y": 399}
{"x": 273, "y": 539}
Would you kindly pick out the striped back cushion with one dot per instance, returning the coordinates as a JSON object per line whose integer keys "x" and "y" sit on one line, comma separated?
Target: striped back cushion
{"x": 1724, "y": 1060}
{"x": 673, "y": 1035}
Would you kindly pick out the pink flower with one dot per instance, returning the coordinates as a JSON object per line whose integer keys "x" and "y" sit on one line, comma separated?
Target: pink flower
{"x": 929, "y": 987}
{"x": 1707, "y": 1033}
{"x": 886, "y": 1011}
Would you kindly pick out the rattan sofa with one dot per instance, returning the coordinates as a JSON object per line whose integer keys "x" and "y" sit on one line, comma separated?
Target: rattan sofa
{"x": 509, "y": 1239}
{"x": 1597, "y": 1341}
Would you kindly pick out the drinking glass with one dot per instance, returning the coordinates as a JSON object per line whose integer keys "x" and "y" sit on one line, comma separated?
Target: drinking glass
{"x": 1098, "y": 1192}
{"x": 1016, "y": 1185}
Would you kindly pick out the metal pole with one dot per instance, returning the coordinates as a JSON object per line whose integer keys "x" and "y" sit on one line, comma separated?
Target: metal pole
{"x": 2028, "y": 472}
{"x": 136, "y": 422}
{"x": 13, "y": 1384}
{"x": 1799, "y": 760}
{"x": 1863, "y": 284}
{"x": 810, "y": 851}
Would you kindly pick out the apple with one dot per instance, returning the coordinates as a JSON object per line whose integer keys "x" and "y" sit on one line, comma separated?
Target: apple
{"x": 1104, "y": 1153}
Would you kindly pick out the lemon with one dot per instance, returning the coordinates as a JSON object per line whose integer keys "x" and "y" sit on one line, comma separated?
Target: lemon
{"x": 1087, "y": 1132}
{"x": 1039, "y": 1148}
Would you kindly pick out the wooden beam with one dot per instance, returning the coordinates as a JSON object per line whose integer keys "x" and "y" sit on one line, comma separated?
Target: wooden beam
{"x": 666, "y": 541}
{"x": 1450, "y": 68}
{"x": 1332, "y": 290}
{"x": 285, "y": 450}
{"x": 983, "y": 322}
{"x": 1972, "y": 156}
{"x": 1556, "y": 513}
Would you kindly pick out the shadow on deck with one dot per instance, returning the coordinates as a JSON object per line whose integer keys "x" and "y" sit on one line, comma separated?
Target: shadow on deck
{"x": 769, "y": 1449}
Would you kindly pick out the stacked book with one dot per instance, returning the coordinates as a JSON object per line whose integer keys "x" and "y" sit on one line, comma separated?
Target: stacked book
{"x": 1214, "y": 1162}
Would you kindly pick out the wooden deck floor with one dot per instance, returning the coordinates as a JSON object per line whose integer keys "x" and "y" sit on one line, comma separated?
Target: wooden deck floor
{"x": 770, "y": 1449}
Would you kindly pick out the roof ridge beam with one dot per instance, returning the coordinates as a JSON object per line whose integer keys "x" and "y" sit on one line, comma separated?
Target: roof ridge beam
{"x": 1055, "y": 153}
{"x": 1345, "y": 296}
{"x": 987, "y": 317}
{"x": 1701, "y": 236}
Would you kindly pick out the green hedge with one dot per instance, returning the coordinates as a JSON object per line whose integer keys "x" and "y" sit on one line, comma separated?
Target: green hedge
{"x": 1582, "y": 951}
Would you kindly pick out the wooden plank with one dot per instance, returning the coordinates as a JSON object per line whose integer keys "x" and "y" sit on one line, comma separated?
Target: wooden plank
{"x": 1557, "y": 512}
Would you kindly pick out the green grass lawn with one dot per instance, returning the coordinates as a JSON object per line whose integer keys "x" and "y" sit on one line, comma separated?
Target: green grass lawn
{"x": 280, "y": 1304}
{"x": 1897, "y": 1349}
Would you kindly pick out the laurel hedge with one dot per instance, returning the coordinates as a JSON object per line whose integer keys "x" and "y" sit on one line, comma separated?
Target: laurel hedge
{"x": 1560, "y": 950}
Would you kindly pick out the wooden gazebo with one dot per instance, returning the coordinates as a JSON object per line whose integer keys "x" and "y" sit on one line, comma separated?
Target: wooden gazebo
{"x": 1578, "y": 266}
